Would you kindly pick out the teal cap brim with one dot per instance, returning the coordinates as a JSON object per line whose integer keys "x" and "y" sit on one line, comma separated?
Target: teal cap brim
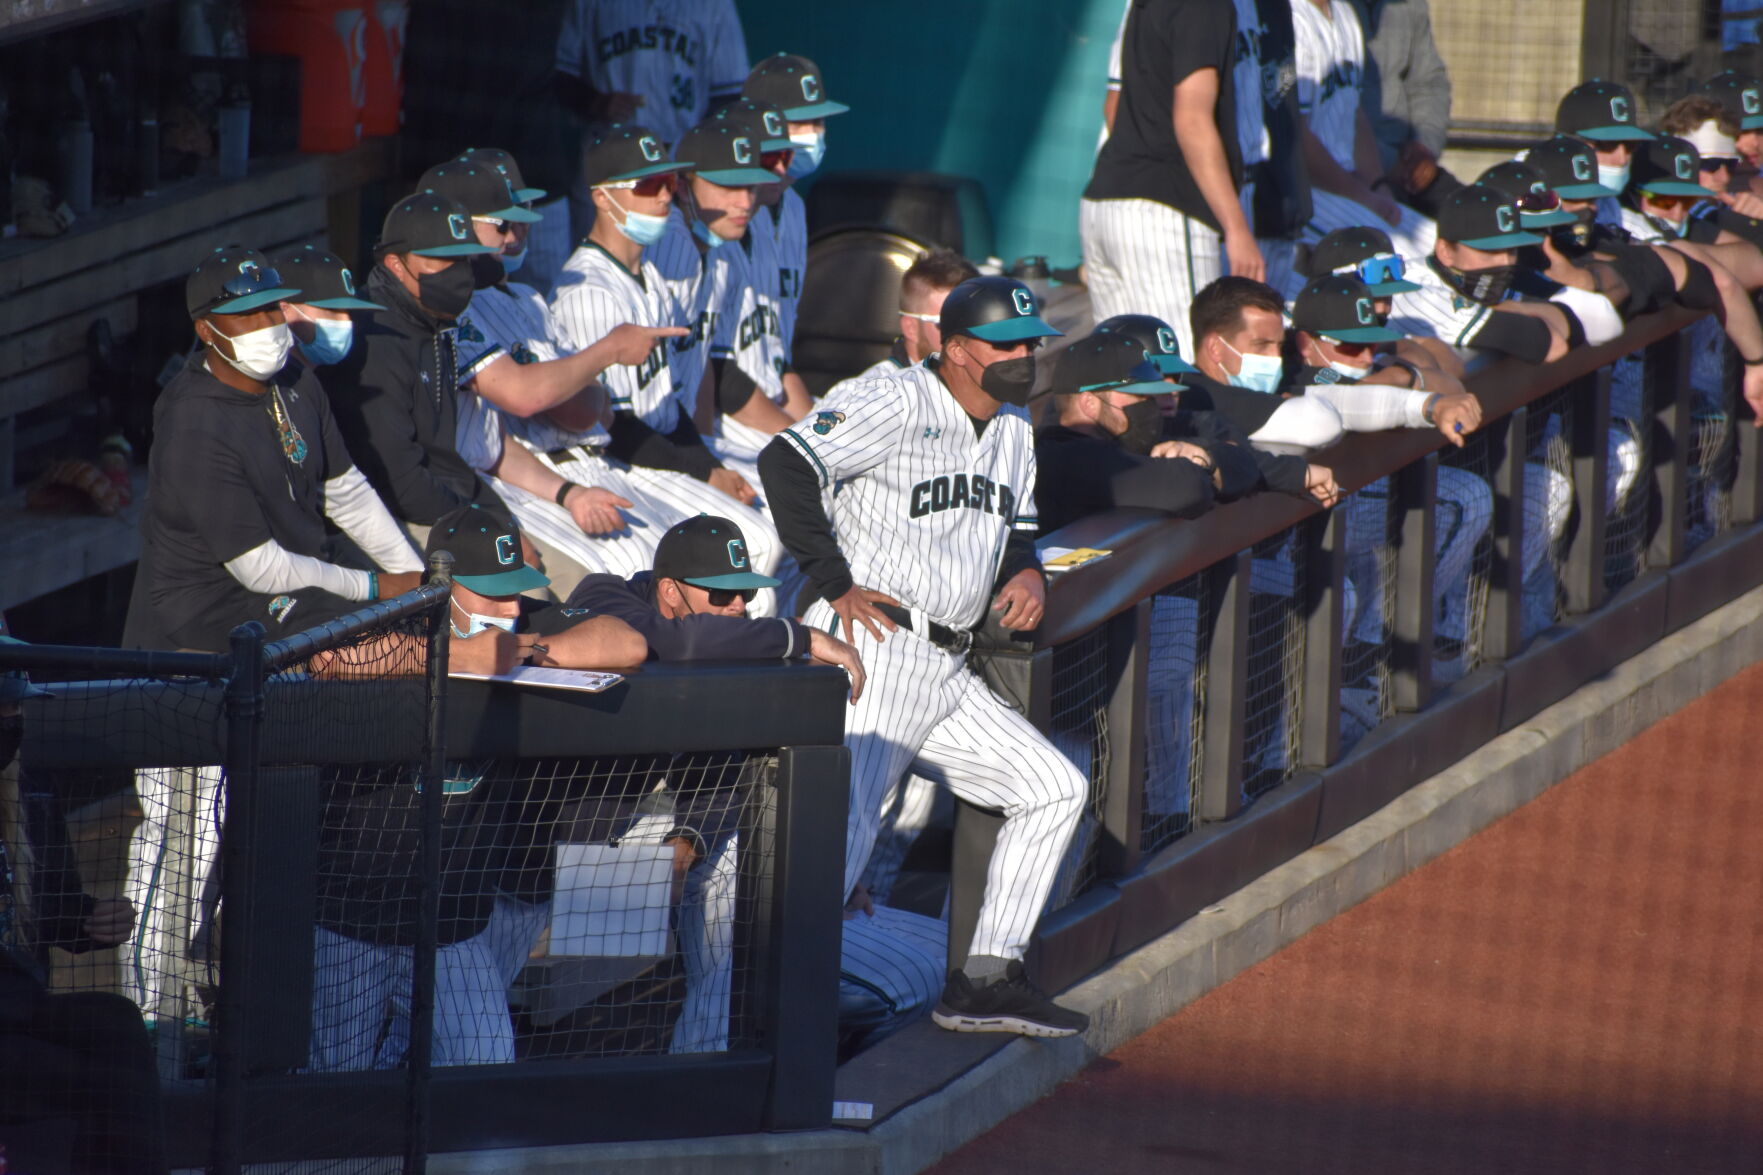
{"x": 344, "y": 304}
{"x": 1014, "y": 330}
{"x": 1504, "y": 241}
{"x": 1175, "y": 364}
{"x": 246, "y": 303}
{"x": 1613, "y": 134}
{"x": 517, "y": 214}
{"x": 735, "y": 579}
{"x": 1361, "y": 334}
{"x": 784, "y": 144}
{"x": 1545, "y": 219}
{"x": 1399, "y": 286}
{"x": 814, "y": 111}
{"x": 505, "y": 583}
{"x": 1674, "y": 188}
{"x": 455, "y": 251}
{"x": 643, "y": 172}
{"x": 1752, "y": 122}
{"x": 1586, "y": 192}
{"x": 528, "y": 195}
{"x": 739, "y": 177}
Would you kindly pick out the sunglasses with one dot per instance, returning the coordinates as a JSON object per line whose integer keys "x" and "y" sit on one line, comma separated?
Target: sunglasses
{"x": 1383, "y": 267}
{"x": 1546, "y": 200}
{"x": 1710, "y": 166}
{"x": 776, "y": 160}
{"x": 723, "y": 597}
{"x": 502, "y": 226}
{"x": 654, "y": 185}
{"x": 1351, "y": 350}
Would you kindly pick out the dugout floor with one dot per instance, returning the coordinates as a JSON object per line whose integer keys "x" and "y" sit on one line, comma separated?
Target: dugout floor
{"x": 1577, "y": 988}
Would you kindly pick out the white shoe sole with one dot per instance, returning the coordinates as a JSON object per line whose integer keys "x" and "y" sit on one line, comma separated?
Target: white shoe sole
{"x": 958, "y": 1022}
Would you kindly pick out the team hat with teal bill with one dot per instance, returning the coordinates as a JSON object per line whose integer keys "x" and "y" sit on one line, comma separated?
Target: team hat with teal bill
{"x": 622, "y": 153}
{"x": 429, "y": 225}
{"x": 1341, "y": 308}
{"x": 1483, "y": 218}
{"x": 235, "y": 280}
{"x": 708, "y": 552}
{"x": 1741, "y": 94}
{"x": 726, "y": 152}
{"x": 1365, "y": 253}
{"x": 768, "y": 119}
{"x": 486, "y": 552}
{"x": 792, "y": 83}
{"x": 1539, "y": 205}
{"x": 482, "y": 190}
{"x": 996, "y": 309}
{"x": 1599, "y": 110}
{"x": 1108, "y": 361}
{"x": 324, "y": 281}
{"x": 1570, "y": 166}
{"x": 503, "y": 162}
{"x": 1162, "y": 345}
{"x": 1668, "y": 166}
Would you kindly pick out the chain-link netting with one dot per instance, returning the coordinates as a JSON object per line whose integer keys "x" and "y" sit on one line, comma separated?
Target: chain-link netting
{"x": 1548, "y": 508}
{"x": 1715, "y": 372}
{"x": 1274, "y": 683}
{"x": 1081, "y": 686}
{"x": 1465, "y": 558}
{"x": 1634, "y": 382}
{"x": 1368, "y": 611}
{"x": 1175, "y": 710}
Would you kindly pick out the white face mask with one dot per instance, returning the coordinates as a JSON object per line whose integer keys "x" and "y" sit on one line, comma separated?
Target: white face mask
{"x": 258, "y": 354}
{"x": 810, "y": 149}
{"x": 1613, "y": 177}
{"x": 1346, "y": 370}
{"x": 1260, "y": 373}
{"x": 476, "y": 622}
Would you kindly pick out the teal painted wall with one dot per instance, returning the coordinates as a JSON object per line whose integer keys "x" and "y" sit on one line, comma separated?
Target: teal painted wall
{"x": 1007, "y": 91}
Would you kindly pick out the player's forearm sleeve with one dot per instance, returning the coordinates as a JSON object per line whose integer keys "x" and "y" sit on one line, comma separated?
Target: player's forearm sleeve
{"x": 734, "y": 387}
{"x": 792, "y": 490}
{"x": 271, "y": 567}
{"x": 1019, "y": 556}
{"x": 1373, "y": 407}
{"x": 1282, "y": 473}
{"x": 349, "y": 501}
{"x": 681, "y": 451}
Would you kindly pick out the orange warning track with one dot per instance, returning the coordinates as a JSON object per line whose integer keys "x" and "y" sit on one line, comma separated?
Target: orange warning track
{"x": 1576, "y": 989}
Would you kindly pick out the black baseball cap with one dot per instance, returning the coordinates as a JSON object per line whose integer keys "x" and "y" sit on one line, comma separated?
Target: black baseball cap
{"x": 429, "y": 225}
{"x": 1162, "y": 345}
{"x": 1364, "y": 252}
{"x": 1599, "y": 110}
{"x": 1667, "y": 166}
{"x": 1483, "y": 218}
{"x": 708, "y": 552}
{"x": 235, "y": 280}
{"x": 1741, "y": 94}
{"x": 1108, "y": 361}
{"x": 767, "y": 119}
{"x": 486, "y": 552}
{"x": 791, "y": 83}
{"x": 1528, "y": 189}
{"x": 479, "y": 188}
{"x": 622, "y": 153}
{"x": 996, "y": 309}
{"x": 503, "y": 162}
{"x": 1570, "y": 166}
{"x": 1341, "y": 308}
{"x": 323, "y": 279}
{"x": 726, "y": 152}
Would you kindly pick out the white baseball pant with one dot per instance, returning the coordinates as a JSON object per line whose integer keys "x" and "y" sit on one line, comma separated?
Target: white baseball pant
{"x": 1142, "y": 257}
{"x": 171, "y": 857}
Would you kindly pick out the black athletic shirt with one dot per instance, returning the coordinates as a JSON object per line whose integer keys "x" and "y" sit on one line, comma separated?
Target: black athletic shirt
{"x": 1165, "y": 42}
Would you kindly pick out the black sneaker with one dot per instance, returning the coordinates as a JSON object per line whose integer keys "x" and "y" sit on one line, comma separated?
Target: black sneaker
{"x": 1010, "y": 1004}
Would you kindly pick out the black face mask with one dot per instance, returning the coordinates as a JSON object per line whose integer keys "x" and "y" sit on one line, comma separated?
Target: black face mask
{"x": 11, "y": 737}
{"x": 446, "y": 294}
{"x": 1144, "y": 427}
{"x": 1575, "y": 240}
{"x": 1487, "y": 286}
{"x": 1009, "y": 381}
{"x": 486, "y": 270}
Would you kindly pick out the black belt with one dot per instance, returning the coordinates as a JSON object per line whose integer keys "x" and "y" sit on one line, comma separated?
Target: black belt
{"x": 953, "y": 640}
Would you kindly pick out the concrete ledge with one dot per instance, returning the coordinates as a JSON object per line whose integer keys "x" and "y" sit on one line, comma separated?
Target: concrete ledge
{"x": 1165, "y": 975}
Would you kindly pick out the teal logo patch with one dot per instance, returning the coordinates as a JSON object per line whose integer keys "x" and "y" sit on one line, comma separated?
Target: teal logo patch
{"x": 523, "y": 353}
{"x": 1025, "y": 301}
{"x": 468, "y": 332}
{"x": 825, "y": 422}
{"x": 280, "y": 607}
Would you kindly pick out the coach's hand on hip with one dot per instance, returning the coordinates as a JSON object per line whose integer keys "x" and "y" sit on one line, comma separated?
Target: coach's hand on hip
{"x": 1023, "y": 601}
{"x": 857, "y": 606}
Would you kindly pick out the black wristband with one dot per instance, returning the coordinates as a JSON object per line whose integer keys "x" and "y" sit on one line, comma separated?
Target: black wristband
{"x": 1757, "y": 362}
{"x": 563, "y": 492}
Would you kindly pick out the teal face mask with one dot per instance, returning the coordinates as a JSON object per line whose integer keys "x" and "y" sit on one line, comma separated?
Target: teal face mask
{"x": 709, "y": 238}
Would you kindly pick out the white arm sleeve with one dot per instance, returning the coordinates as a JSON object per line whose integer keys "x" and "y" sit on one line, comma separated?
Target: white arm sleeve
{"x": 1373, "y": 407}
{"x": 271, "y": 567}
{"x": 1595, "y": 313}
{"x": 1302, "y": 422}
{"x": 350, "y": 502}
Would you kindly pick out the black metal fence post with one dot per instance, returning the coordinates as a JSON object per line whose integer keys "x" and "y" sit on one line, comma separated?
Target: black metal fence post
{"x": 422, "y": 963}
{"x": 1123, "y": 807}
{"x": 1416, "y": 501}
{"x": 1503, "y": 630}
{"x": 1583, "y": 574}
{"x": 1324, "y": 547}
{"x": 1667, "y": 369}
{"x": 1227, "y": 681}
{"x": 244, "y": 728}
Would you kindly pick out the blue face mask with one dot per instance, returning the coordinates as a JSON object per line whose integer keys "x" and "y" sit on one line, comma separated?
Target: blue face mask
{"x": 1260, "y": 373}
{"x": 330, "y": 344}
{"x": 709, "y": 238}
{"x": 638, "y": 227}
{"x": 476, "y": 622}
{"x": 513, "y": 261}
{"x": 810, "y": 149}
{"x": 1615, "y": 178}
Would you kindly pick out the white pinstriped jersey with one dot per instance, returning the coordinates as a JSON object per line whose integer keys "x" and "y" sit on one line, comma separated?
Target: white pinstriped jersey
{"x": 698, "y": 281}
{"x": 923, "y": 507}
{"x": 1252, "y": 135}
{"x": 750, "y": 332}
{"x": 476, "y": 434}
{"x": 1331, "y": 74}
{"x": 1647, "y": 230}
{"x": 1435, "y": 310}
{"x": 514, "y": 322}
{"x": 594, "y": 294}
{"x": 676, "y": 54}
{"x": 786, "y": 226}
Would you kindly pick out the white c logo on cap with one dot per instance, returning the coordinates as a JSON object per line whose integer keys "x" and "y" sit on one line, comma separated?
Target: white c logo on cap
{"x": 1506, "y": 218}
{"x": 1367, "y": 315}
{"x": 1582, "y": 169}
{"x": 348, "y": 282}
{"x": 1166, "y": 341}
{"x": 1751, "y": 101}
{"x": 743, "y": 149}
{"x": 1686, "y": 168}
{"x": 810, "y": 87}
{"x": 507, "y": 550}
{"x": 1025, "y": 301}
{"x": 1619, "y": 108}
{"x": 650, "y": 148}
{"x": 456, "y": 226}
{"x": 774, "y": 124}
{"x": 737, "y": 553}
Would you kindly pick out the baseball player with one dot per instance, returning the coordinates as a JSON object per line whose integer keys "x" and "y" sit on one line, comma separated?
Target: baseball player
{"x": 1340, "y": 148}
{"x": 1603, "y": 114}
{"x": 1741, "y": 95}
{"x": 1163, "y": 214}
{"x": 610, "y": 280}
{"x": 934, "y": 516}
{"x": 923, "y": 288}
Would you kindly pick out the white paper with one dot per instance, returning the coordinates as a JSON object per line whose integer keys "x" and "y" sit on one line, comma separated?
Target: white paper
{"x": 612, "y": 900}
{"x": 585, "y": 680}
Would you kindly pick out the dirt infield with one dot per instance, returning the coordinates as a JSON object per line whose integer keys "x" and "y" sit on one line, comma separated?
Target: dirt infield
{"x": 1578, "y": 988}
